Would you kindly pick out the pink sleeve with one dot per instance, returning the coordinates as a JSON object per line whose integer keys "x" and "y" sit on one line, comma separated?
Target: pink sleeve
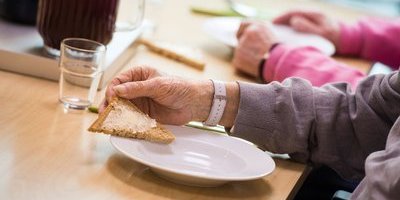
{"x": 372, "y": 39}
{"x": 308, "y": 63}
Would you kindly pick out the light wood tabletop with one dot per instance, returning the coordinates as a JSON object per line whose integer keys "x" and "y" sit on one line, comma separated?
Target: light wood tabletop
{"x": 47, "y": 153}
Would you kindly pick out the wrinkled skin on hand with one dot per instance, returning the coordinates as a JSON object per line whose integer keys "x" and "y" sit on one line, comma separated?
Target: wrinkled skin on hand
{"x": 255, "y": 40}
{"x": 169, "y": 100}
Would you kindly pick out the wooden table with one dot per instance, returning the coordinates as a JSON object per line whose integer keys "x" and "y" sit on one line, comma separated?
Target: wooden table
{"x": 46, "y": 153}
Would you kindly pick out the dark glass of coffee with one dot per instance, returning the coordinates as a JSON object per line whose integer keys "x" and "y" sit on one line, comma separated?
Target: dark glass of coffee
{"x": 90, "y": 19}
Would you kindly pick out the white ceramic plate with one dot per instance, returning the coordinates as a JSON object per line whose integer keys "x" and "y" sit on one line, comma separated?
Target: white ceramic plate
{"x": 224, "y": 29}
{"x": 198, "y": 157}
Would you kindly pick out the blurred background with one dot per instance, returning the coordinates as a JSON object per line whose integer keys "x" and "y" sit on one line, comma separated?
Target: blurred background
{"x": 24, "y": 11}
{"x": 381, "y": 7}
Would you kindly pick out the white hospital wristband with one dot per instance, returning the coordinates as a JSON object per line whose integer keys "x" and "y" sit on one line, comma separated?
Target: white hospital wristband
{"x": 218, "y": 104}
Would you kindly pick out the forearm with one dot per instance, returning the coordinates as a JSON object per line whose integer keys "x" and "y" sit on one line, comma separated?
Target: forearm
{"x": 232, "y": 104}
{"x": 310, "y": 64}
{"x": 373, "y": 39}
{"x": 382, "y": 172}
{"x": 328, "y": 125}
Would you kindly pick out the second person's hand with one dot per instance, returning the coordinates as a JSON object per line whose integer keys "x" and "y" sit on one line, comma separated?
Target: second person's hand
{"x": 311, "y": 22}
{"x": 255, "y": 40}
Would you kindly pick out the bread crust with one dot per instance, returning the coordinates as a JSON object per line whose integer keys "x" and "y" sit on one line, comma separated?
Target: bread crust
{"x": 155, "y": 134}
{"x": 173, "y": 55}
{"x": 96, "y": 126}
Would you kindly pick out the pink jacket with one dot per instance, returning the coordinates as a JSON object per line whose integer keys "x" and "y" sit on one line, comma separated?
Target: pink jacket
{"x": 372, "y": 39}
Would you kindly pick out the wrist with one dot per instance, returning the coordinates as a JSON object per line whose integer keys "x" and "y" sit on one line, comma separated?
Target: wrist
{"x": 203, "y": 98}
{"x": 333, "y": 34}
{"x": 262, "y": 62}
{"x": 350, "y": 39}
{"x": 273, "y": 46}
{"x": 203, "y": 92}
{"x": 232, "y": 104}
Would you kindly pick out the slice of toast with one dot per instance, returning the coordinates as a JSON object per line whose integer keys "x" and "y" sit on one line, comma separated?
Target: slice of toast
{"x": 123, "y": 118}
{"x": 176, "y": 52}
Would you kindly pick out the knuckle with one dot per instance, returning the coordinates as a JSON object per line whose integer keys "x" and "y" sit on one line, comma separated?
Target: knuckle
{"x": 165, "y": 86}
{"x": 251, "y": 30}
{"x": 157, "y": 82}
{"x": 162, "y": 84}
{"x": 136, "y": 86}
{"x": 115, "y": 81}
{"x": 109, "y": 90}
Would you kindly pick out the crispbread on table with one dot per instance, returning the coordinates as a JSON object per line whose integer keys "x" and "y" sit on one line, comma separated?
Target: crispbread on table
{"x": 117, "y": 113}
{"x": 175, "y": 52}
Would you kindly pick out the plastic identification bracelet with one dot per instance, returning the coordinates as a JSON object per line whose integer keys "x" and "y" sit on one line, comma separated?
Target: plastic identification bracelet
{"x": 218, "y": 104}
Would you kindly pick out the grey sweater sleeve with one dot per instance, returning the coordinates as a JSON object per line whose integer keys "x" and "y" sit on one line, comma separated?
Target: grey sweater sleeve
{"x": 382, "y": 171}
{"x": 328, "y": 125}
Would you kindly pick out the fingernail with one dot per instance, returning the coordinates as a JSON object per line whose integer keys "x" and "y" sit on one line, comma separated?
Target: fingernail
{"x": 120, "y": 89}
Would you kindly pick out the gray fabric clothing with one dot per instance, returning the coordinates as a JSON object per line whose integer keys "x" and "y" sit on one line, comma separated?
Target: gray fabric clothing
{"x": 354, "y": 133}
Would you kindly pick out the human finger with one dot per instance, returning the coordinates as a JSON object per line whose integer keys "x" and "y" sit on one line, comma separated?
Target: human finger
{"x": 304, "y": 25}
{"x": 131, "y": 90}
{"x": 286, "y": 18}
{"x": 103, "y": 105}
{"x": 133, "y": 74}
{"x": 243, "y": 26}
{"x": 109, "y": 94}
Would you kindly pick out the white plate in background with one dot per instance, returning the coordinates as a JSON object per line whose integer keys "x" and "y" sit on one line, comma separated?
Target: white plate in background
{"x": 198, "y": 157}
{"x": 224, "y": 29}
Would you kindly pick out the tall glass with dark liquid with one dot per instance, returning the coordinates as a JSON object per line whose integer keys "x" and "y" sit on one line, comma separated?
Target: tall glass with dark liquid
{"x": 90, "y": 19}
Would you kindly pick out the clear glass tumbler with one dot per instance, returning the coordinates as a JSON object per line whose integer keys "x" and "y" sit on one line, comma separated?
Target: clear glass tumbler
{"x": 81, "y": 62}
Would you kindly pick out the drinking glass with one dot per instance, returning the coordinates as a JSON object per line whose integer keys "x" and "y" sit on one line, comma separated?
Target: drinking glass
{"x": 81, "y": 62}
{"x": 130, "y": 15}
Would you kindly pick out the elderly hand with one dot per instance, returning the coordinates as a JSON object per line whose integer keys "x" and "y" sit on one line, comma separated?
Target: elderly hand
{"x": 255, "y": 39}
{"x": 169, "y": 100}
{"x": 311, "y": 22}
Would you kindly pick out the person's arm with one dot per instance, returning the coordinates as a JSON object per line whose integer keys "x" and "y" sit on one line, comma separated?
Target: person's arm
{"x": 382, "y": 171}
{"x": 308, "y": 63}
{"x": 325, "y": 125}
{"x": 372, "y": 39}
{"x": 328, "y": 125}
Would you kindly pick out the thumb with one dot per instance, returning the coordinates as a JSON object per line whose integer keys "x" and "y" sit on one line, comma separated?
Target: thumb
{"x": 131, "y": 90}
{"x": 302, "y": 24}
{"x": 242, "y": 27}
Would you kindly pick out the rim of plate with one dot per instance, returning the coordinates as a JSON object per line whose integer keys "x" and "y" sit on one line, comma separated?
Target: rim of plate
{"x": 214, "y": 177}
